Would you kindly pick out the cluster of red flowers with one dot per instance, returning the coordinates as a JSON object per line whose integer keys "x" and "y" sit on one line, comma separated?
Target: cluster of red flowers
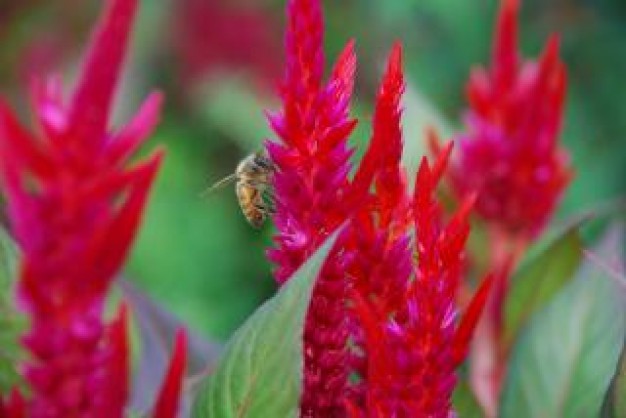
{"x": 375, "y": 313}
{"x": 75, "y": 206}
{"x": 368, "y": 315}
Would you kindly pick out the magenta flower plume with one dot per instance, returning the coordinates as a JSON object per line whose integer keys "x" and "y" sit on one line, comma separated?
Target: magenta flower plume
{"x": 311, "y": 186}
{"x": 312, "y": 158}
{"x": 412, "y": 342}
{"x": 510, "y": 152}
{"x": 75, "y": 206}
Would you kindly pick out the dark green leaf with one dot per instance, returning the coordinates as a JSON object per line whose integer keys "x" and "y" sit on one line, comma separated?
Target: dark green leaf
{"x": 464, "y": 402}
{"x": 540, "y": 279}
{"x": 10, "y": 322}
{"x": 615, "y": 400}
{"x": 260, "y": 373}
{"x": 566, "y": 357}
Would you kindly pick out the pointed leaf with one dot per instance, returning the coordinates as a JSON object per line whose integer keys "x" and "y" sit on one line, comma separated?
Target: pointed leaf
{"x": 566, "y": 357}
{"x": 540, "y": 279}
{"x": 464, "y": 402}
{"x": 260, "y": 374}
{"x": 10, "y": 324}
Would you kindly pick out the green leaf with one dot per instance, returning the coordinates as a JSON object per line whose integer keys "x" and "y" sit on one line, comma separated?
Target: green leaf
{"x": 540, "y": 279}
{"x": 260, "y": 373}
{"x": 615, "y": 400}
{"x": 566, "y": 357}
{"x": 464, "y": 402}
{"x": 10, "y": 322}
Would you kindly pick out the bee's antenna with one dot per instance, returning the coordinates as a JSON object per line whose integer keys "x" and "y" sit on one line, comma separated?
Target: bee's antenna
{"x": 219, "y": 184}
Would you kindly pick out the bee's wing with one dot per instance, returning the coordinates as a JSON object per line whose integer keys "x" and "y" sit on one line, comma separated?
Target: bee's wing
{"x": 219, "y": 184}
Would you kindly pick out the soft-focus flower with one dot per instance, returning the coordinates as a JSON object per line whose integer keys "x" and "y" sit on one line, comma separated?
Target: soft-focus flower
{"x": 13, "y": 407}
{"x": 210, "y": 36}
{"x": 510, "y": 150}
{"x": 75, "y": 206}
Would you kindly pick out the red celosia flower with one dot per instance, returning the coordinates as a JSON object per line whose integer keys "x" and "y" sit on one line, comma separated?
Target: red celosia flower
{"x": 311, "y": 183}
{"x": 313, "y": 158}
{"x": 215, "y": 35}
{"x": 510, "y": 152}
{"x": 74, "y": 208}
{"x": 379, "y": 234}
{"x": 413, "y": 345}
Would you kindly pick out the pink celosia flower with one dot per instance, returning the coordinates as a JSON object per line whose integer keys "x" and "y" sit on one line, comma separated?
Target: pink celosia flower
{"x": 313, "y": 158}
{"x": 311, "y": 186}
{"x": 75, "y": 207}
{"x": 216, "y": 35}
{"x": 510, "y": 152}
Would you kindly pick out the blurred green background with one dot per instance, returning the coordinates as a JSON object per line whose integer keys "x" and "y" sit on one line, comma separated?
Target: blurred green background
{"x": 218, "y": 62}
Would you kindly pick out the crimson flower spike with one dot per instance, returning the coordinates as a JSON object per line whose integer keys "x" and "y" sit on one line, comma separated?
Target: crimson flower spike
{"x": 379, "y": 239}
{"x": 510, "y": 151}
{"x": 74, "y": 207}
{"x": 415, "y": 339}
{"x": 168, "y": 400}
{"x": 311, "y": 185}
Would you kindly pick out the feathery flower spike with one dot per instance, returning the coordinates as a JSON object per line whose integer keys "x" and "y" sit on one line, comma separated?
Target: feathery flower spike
{"x": 311, "y": 185}
{"x": 415, "y": 340}
{"x": 74, "y": 207}
{"x": 510, "y": 151}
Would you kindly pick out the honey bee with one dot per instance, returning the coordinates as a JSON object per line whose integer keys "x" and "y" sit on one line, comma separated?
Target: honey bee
{"x": 253, "y": 187}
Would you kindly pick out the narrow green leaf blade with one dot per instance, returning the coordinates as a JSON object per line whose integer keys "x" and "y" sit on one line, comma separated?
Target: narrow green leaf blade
{"x": 260, "y": 373}
{"x": 566, "y": 357}
{"x": 10, "y": 323}
{"x": 540, "y": 279}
